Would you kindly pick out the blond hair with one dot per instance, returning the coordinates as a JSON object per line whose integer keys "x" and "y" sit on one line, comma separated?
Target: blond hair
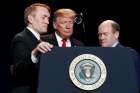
{"x": 65, "y": 12}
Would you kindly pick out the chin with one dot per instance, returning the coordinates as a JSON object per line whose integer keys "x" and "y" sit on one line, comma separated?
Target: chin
{"x": 103, "y": 45}
{"x": 43, "y": 32}
{"x": 68, "y": 35}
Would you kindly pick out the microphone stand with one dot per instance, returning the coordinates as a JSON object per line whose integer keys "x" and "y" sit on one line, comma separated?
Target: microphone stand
{"x": 79, "y": 19}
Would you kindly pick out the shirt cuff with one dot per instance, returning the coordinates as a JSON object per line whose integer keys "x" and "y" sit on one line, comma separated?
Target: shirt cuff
{"x": 34, "y": 59}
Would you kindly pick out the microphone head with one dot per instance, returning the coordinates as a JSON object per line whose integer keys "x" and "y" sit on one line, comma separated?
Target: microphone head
{"x": 78, "y": 19}
{"x": 81, "y": 14}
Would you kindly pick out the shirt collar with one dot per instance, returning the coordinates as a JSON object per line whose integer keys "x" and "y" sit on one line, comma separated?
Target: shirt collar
{"x": 68, "y": 43}
{"x": 35, "y": 33}
{"x": 58, "y": 37}
{"x": 115, "y": 44}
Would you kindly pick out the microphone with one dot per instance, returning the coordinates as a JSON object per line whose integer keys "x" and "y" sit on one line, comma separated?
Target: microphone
{"x": 79, "y": 18}
{"x": 81, "y": 14}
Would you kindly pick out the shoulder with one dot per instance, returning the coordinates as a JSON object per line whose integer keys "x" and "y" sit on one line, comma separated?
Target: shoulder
{"x": 133, "y": 52}
{"x": 47, "y": 37}
{"x": 19, "y": 36}
{"x": 119, "y": 45}
{"x": 23, "y": 35}
{"x": 77, "y": 42}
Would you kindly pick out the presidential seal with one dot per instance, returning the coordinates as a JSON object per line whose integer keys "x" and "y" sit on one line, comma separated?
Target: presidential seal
{"x": 87, "y": 72}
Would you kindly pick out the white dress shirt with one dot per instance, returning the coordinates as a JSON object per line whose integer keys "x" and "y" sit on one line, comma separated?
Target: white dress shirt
{"x": 59, "y": 40}
{"x": 115, "y": 44}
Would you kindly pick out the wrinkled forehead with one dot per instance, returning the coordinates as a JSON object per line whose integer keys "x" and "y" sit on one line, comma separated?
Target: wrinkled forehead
{"x": 105, "y": 27}
{"x": 64, "y": 19}
{"x": 66, "y": 15}
{"x": 42, "y": 9}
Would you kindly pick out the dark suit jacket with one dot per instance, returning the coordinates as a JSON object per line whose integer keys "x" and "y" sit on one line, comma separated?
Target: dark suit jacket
{"x": 51, "y": 38}
{"x": 136, "y": 59}
{"x": 119, "y": 45}
{"x": 24, "y": 71}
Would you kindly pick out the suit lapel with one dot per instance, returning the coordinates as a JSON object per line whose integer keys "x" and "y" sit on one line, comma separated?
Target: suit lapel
{"x": 119, "y": 45}
{"x": 54, "y": 40}
{"x": 72, "y": 42}
{"x": 31, "y": 38}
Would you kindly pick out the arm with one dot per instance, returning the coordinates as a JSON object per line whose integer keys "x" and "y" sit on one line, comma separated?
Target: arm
{"x": 21, "y": 57}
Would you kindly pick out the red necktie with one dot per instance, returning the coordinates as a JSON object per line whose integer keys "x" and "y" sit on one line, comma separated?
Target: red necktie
{"x": 64, "y": 42}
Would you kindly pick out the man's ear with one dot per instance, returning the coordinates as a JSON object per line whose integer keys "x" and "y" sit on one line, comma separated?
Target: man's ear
{"x": 54, "y": 25}
{"x": 30, "y": 18}
{"x": 117, "y": 34}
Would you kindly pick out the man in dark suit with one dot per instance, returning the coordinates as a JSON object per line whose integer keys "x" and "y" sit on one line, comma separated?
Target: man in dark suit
{"x": 63, "y": 22}
{"x": 108, "y": 32}
{"x": 26, "y": 45}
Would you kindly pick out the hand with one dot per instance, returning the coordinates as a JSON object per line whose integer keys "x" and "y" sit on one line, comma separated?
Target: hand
{"x": 42, "y": 47}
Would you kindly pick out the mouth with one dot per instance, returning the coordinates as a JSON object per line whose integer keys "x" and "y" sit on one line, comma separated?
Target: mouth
{"x": 102, "y": 42}
{"x": 67, "y": 31}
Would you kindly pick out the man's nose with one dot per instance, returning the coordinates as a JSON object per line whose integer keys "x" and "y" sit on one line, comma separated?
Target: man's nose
{"x": 102, "y": 37}
{"x": 68, "y": 26}
{"x": 46, "y": 21}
